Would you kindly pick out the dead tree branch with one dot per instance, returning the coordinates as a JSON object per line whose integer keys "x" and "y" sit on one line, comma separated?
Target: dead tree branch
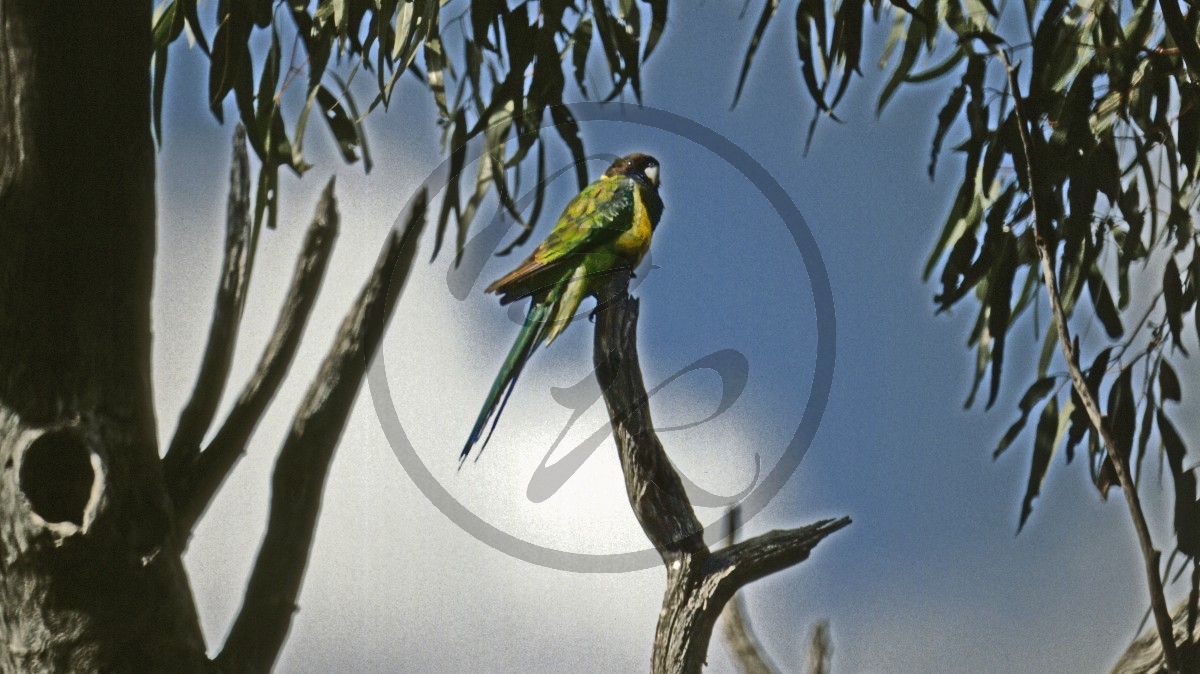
{"x": 262, "y": 623}
{"x": 747, "y": 652}
{"x": 195, "y": 483}
{"x": 198, "y": 414}
{"x": 1041, "y": 234}
{"x": 699, "y": 581}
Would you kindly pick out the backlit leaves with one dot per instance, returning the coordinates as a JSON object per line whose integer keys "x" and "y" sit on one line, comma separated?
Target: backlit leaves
{"x": 490, "y": 59}
{"x": 1187, "y": 509}
{"x": 1037, "y": 392}
{"x": 1168, "y": 383}
{"x": 1049, "y": 431}
{"x": 1172, "y": 288}
{"x": 768, "y": 12}
{"x": 1113, "y": 121}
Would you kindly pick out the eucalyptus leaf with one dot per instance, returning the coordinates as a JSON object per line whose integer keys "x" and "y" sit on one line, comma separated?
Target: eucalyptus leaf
{"x": 1168, "y": 382}
{"x": 1044, "y": 444}
{"x": 1037, "y": 392}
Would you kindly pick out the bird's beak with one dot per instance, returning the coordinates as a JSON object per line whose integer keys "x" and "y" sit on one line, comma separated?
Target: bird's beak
{"x": 652, "y": 175}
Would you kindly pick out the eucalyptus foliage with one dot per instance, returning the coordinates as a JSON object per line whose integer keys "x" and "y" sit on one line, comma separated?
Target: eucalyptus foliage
{"x": 1115, "y": 114}
{"x": 1114, "y": 107}
{"x": 495, "y": 68}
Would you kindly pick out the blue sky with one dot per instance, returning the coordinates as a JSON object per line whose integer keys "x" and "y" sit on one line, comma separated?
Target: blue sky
{"x": 928, "y": 578}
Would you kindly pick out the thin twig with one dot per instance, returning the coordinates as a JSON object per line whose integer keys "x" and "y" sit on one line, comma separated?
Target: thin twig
{"x": 699, "y": 581}
{"x": 747, "y": 653}
{"x": 198, "y": 414}
{"x": 195, "y": 484}
{"x": 1041, "y": 232}
{"x": 262, "y": 623}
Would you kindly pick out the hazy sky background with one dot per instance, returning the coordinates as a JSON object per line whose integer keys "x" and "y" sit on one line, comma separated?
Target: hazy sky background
{"x": 928, "y": 578}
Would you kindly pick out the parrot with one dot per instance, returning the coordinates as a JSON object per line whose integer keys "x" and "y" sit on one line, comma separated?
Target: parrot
{"x": 606, "y": 228}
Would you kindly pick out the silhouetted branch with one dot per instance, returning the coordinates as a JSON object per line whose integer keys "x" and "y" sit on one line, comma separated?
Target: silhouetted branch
{"x": 198, "y": 414}
{"x": 194, "y": 485}
{"x": 699, "y": 582}
{"x": 262, "y": 624}
{"x": 1041, "y": 234}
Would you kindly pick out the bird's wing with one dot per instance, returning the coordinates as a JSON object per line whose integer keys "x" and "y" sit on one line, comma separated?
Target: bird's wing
{"x": 596, "y": 216}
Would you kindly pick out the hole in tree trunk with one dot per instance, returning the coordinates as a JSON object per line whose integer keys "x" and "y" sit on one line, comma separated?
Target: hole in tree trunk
{"x": 56, "y": 476}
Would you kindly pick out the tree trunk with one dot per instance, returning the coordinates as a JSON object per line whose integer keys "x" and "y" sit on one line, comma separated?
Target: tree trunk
{"x": 699, "y": 580}
{"x": 88, "y": 579}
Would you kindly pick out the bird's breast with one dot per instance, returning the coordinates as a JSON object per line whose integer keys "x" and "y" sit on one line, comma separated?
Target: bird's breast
{"x": 634, "y": 243}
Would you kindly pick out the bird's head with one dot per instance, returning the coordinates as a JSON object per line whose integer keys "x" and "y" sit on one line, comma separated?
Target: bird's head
{"x": 640, "y": 167}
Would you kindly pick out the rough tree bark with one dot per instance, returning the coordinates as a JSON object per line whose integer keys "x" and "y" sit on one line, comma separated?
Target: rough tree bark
{"x": 699, "y": 580}
{"x": 86, "y": 582}
{"x": 91, "y": 529}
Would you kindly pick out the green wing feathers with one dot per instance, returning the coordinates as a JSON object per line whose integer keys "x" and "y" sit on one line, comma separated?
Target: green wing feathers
{"x": 596, "y": 216}
{"x": 584, "y": 243}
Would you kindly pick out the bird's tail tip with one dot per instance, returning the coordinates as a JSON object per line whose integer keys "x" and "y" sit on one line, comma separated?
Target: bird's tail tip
{"x": 466, "y": 451}
{"x": 473, "y": 440}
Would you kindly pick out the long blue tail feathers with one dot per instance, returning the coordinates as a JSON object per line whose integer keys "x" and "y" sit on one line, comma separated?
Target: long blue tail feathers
{"x": 527, "y": 341}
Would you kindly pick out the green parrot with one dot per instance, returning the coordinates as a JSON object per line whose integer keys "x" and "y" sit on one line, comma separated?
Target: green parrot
{"x": 606, "y": 228}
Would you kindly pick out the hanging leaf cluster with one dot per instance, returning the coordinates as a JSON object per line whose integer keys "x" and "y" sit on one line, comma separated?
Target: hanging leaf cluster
{"x": 496, "y": 70}
{"x": 1112, "y": 106}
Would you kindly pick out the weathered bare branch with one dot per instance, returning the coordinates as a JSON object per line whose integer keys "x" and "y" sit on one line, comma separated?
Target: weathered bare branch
{"x": 757, "y": 557}
{"x": 1041, "y": 230}
{"x": 194, "y": 484}
{"x": 655, "y": 491}
{"x": 198, "y": 413}
{"x": 699, "y": 582}
{"x": 748, "y": 654}
{"x": 262, "y": 624}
